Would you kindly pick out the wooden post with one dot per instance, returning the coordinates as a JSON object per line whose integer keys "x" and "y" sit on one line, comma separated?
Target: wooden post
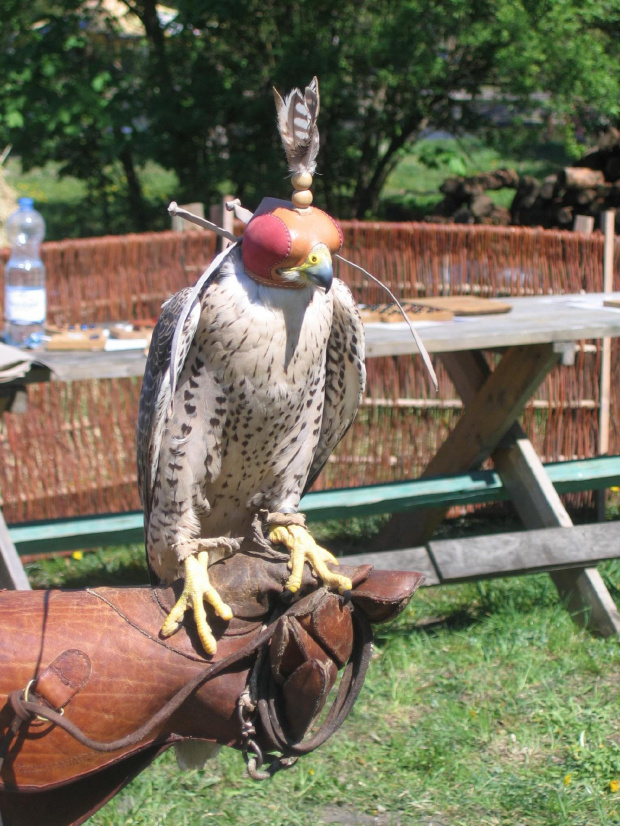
{"x": 12, "y": 574}
{"x": 219, "y": 215}
{"x": 583, "y": 223}
{"x": 179, "y": 225}
{"x": 608, "y": 227}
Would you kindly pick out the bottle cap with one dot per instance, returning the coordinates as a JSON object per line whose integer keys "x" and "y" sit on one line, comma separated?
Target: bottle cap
{"x": 25, "y": 203}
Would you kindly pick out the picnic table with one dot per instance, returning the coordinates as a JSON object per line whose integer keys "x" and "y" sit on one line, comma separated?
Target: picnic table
{"x": 537, "y": 333}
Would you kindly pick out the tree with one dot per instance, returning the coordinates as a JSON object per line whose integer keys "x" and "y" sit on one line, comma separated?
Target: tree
{"x": 70, "y": 94}
{"x": 194, "y": 94}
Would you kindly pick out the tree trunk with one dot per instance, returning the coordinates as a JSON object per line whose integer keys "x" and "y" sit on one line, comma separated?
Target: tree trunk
{"x": 134, "y": 191}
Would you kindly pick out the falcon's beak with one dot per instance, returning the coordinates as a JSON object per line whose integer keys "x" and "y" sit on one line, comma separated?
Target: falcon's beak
{"x": 316, "y": 269}
{"x": 322, "y": 275}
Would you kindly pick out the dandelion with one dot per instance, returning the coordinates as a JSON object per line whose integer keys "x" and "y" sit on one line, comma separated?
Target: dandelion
{"x": 567, "y": 779}
{"x": 614, "y": 785}
{"x": 472, "y": 713}
{"x": 311, "y": 772}
{"x": 77, "y": 555}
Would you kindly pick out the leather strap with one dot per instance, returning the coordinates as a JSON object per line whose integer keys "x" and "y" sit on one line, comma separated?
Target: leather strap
{"x": 348, "y": 692}
{"x": 63, "y": 678}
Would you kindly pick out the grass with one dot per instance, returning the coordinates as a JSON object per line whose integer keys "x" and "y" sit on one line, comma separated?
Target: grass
{"x": 484, "y": 704}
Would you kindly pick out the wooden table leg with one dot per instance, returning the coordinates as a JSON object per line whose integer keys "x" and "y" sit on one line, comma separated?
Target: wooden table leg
{"x": 537, "y": 502}
{"x": 493, "y": 401}
{"x": 12, "y": 574}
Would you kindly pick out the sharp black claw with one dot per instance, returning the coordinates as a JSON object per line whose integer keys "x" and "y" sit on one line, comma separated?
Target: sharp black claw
{"x": 347, "y": 595}
{"x": 286, "y": 596}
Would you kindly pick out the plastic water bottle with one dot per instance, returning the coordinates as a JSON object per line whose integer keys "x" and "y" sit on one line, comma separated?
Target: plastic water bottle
{"x": 24, "y": 278}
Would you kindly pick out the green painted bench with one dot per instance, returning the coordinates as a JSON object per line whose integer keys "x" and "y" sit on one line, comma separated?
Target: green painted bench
{"x": 445, "y": 491}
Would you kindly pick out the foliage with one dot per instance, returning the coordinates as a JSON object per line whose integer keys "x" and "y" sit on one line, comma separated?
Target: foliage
{"x": 193, "y": 94}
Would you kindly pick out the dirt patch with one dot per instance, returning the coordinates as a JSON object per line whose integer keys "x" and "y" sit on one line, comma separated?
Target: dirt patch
{"x": 350, "y": 817}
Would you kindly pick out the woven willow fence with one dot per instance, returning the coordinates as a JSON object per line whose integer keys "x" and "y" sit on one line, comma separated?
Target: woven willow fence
{"x": 73, "y": 451}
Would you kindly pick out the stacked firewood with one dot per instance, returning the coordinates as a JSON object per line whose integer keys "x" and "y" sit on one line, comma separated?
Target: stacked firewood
{"x": 466, "y": 200}
{"x": 589, "y": 187}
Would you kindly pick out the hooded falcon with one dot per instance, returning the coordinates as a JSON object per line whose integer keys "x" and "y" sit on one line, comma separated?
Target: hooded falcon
{"x": 252, "y": 378}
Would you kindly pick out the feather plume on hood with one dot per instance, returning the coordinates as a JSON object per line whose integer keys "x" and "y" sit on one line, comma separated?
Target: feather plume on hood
{"x": 297, "y": 116}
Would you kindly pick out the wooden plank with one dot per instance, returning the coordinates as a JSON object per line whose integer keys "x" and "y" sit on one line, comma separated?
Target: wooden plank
{"x": 488, "y": 415}
{"x": 608, "y": 220}
{"x": 464, "y": 305}
{"x": 539, "y": 506}
{"x": 588, "y": 600}
{"x": 78, "y": 533}
{"x": 406, "y": 559}
{"x": 528, "y": 485}
{"x": 453, "y": 489}
{"x": 492, "y": 410}
{"x": 525, "y": 551}
{"x": 583, "y": 223}
{"x": 533, "y": 320}
{"x": 393, "y": 497}
{"x": 12, "y": 574}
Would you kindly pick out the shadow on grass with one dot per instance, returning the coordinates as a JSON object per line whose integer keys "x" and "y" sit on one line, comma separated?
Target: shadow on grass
{"x": 459, "y": 619}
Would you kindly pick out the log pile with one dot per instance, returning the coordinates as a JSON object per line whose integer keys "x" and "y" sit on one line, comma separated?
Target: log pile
{"x": 466, "y": 200}
{"x": 589, "y": 187}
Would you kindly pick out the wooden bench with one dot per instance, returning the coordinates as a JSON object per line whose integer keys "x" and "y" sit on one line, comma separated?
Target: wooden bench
{"x": 445, "y": 491}
{"x": 502, "y": 554}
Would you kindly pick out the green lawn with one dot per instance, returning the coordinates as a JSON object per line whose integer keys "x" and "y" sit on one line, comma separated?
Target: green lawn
{"x": 484, "y": 704}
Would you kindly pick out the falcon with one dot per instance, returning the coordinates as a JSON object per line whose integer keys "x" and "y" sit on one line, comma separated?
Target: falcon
{"x": 253, "y": 376}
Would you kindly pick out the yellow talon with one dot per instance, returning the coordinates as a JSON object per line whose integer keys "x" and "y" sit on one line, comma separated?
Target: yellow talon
{"x": 196, "y": 589}
{"x": 303, "y": 549}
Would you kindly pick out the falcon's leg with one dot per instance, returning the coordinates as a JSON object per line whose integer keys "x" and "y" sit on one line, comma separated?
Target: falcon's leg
{"x": 303, "y": 549}
{"x": 197, "y": 588}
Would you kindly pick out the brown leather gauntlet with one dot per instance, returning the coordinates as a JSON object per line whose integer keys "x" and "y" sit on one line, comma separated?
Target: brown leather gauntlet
{"x": 126, "y": 694}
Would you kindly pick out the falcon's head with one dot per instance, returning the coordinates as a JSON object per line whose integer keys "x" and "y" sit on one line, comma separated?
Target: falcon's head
{"x": 290, "y": 248}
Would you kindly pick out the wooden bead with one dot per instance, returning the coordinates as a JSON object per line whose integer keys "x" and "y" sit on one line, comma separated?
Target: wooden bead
{"x": 302, "y": 199}
{"x": 302, "y": 180}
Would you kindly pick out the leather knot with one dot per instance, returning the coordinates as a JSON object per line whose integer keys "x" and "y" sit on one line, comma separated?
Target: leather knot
{"x": 16, "y": 700}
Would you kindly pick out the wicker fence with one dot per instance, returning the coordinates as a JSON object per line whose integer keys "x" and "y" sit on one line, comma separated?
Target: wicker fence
{"x": 73, "y": 452}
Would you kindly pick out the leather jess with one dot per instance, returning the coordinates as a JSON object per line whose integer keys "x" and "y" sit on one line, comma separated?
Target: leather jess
{"x": 126, "y": 694}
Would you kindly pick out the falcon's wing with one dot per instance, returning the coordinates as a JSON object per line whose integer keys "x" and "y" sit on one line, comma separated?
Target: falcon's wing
{"x": 345, "y": 376}
{"x": 170, "y": 344}
{"x": 156, "y": 392}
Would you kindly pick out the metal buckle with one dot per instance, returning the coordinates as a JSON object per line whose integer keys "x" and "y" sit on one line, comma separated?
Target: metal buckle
{"x": 39, "y": 716}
